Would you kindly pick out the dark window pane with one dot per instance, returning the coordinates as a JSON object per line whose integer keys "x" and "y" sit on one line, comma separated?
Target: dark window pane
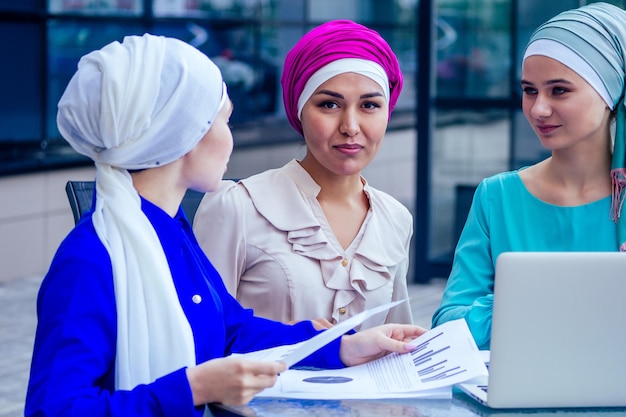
{"x": 283, "y": 9}
{"x": 21, "y": 5}
{"x": 21, "y": 83}
{"x": 473, "y": 49}
{"x": 209, "y": 8}
{"x": 363, "y": 11}
{"x": 96, "y": 7}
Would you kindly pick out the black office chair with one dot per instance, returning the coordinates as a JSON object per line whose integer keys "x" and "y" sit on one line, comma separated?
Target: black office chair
{"x": 80, "y": 197}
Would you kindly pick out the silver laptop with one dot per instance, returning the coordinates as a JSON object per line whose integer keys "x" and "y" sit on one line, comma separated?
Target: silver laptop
{"x": 558, "y": 336}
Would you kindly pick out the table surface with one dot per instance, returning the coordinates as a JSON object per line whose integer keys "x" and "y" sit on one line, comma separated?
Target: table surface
{"x": 459, "y": 406}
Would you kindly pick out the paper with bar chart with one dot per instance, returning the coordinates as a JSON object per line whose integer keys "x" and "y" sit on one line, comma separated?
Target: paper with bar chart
{"x": 442, "y": 357}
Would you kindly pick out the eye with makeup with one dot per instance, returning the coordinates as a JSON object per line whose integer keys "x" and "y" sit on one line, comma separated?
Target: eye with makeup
{"x": 558, "y": 91}
{"x": 328, "y": 104}
{"x": 371, "y": 105}
{"x": 555, "y": 91}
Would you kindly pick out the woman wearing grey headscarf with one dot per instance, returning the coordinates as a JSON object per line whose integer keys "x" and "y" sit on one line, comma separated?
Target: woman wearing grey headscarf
{"x": 573, "y": 86}
{"x": 132, "y": 317}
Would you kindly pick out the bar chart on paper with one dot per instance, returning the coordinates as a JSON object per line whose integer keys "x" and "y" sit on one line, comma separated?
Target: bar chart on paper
{"x": 431, "y": 361}
{"x": 443, "y": 356}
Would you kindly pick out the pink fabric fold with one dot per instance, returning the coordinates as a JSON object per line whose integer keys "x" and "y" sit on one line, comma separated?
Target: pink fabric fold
{"x": 337, "y": 39}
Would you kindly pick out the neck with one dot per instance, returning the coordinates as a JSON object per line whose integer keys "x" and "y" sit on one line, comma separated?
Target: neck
{"x": 159, "y": 186}
{"x": 333, "y": 186}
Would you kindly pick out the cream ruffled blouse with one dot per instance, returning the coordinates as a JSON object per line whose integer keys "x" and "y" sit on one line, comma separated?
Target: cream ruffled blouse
{"x": 269, "y": 239}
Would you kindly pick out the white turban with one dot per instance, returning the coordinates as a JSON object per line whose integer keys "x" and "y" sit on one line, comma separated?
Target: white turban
{"x": 139, "y": 104}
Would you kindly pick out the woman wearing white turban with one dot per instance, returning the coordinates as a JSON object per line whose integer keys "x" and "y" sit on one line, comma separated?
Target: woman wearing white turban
{"x": 572, "y": 90}
{"x": 132, "y": 317}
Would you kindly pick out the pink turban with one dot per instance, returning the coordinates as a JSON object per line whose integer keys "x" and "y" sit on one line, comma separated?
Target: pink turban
{"x": 337, "y": 39}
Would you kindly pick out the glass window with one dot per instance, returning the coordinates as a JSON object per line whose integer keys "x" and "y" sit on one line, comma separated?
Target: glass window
{"x": 467, "y": 146}
{"x": 286, "y": 10}
{"x": 472, "y": 48}
{"x": 363, "y": 11}
{"x": 22, "y": 5}
{"x": 210, "y": 8}
{"x": 21, "y": 83}
{"x": 96, "y": 7}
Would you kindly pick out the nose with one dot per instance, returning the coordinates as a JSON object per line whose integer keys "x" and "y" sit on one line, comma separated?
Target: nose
{"x": 349, "y": 125}
{"x": 541, "y": 108}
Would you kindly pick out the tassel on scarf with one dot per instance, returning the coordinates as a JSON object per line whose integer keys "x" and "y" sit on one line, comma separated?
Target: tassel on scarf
{"x": 618, "y": 180}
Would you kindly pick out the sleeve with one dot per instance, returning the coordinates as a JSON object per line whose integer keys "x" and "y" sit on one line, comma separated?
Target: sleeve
{"x": 469, "y": 290}
{"x": 73, "y": 364}
{"x": 219, "y": 226}
{"x": 247, "y": 333}
{"x": 260, "y": 333}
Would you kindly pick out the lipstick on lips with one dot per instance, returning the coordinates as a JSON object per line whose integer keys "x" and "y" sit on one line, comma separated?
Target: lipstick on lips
{"x": 349, "y": 148}
{"x": 546, "y": 129}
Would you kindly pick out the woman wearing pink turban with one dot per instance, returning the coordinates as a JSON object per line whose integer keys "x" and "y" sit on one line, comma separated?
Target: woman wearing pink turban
{"x": 313, "y": 240}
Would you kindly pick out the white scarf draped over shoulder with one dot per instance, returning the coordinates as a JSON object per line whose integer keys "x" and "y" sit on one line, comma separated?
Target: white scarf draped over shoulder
{"x": 140, "y": 104}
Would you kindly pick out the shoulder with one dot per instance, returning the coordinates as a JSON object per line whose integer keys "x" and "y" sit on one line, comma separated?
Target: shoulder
{"x": 389, "y": 207}
{"x": 282, "y": 196}
{"x": 502, "y": 185}
{"x": 502, "y": 180}
{"x": 225, "y": 201}
{"x": 82, "y": 245}
{"x": 280, "y": 183}
{"x": 231, "y": 192}
{"x": 81, "y": 265}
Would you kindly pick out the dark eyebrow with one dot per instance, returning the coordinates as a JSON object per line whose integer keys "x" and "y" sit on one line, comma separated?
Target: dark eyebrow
{"x": 370, "y": 95}
{"x": 337, "y": 95}
{"x": 549, "y": 82}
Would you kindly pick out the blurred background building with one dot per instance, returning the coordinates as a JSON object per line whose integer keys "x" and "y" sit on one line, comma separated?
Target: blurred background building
{"x": 458, "y": 119}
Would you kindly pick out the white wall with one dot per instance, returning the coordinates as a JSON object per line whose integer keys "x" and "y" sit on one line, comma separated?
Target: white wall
{"x": 34, "y": 218}
{"x": 35, "y": 215}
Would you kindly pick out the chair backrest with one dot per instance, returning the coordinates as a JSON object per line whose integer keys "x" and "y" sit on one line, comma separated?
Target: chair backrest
{"x": 80, "y": 197}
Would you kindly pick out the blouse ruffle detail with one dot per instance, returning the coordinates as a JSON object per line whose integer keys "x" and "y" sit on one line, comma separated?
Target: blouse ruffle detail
{"x": 367, "y": 270}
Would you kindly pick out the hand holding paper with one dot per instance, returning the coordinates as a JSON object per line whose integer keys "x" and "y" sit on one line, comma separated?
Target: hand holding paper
{"x": 292, "y": 354}
{"x": 374, "y": 343}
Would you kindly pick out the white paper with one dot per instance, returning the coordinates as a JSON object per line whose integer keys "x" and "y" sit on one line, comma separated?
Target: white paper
{"x": 292, "y": 354}
{"x": 442, "y": 357}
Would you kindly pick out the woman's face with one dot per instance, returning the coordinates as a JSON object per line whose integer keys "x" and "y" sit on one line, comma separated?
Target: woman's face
{"x": 561, "y": 107}
{"x": 344, "y": 123}
{"x": 206, "y": 163}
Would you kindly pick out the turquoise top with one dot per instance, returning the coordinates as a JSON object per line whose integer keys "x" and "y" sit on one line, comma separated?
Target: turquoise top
{"x": 505, "y": 217}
